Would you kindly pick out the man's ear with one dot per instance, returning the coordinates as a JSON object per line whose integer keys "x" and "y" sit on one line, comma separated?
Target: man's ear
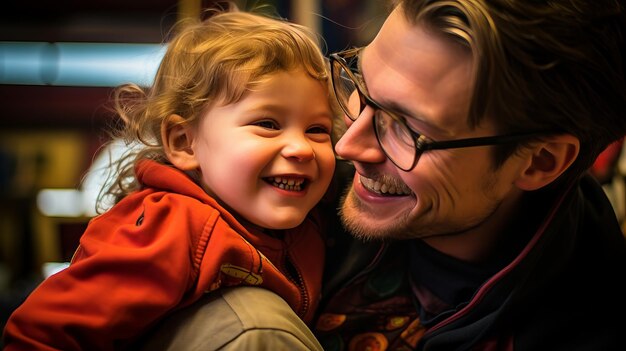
{"x": 548, "y": 160}
{"x": 177, "y": 138}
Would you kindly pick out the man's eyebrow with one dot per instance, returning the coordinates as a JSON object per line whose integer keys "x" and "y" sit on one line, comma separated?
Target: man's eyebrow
{"x": 394, "y": 107}
{"x": 419, "y": 117}
{"x": 407, "y": 116}
{"x": 399, "y": 110}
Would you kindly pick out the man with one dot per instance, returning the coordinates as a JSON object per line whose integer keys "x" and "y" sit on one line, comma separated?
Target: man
{"x": 471, "y": 124}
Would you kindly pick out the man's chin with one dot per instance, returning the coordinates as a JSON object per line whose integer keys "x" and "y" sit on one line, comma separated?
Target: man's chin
{"x": 364, "y": 226}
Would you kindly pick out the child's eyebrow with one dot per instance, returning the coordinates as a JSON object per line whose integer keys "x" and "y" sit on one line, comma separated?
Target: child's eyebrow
{"x": 269, "y": 106}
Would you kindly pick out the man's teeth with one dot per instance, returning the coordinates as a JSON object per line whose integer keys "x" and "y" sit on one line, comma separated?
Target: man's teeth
{"x": 384, "y": 188}
{"x": 292, "y": 184}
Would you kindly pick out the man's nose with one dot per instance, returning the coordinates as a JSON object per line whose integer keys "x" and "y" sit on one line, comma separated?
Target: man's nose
{"x": 359, "y": 142}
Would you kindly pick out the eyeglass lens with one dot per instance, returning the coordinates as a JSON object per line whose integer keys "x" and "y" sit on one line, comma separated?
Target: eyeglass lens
{"x": 393, "y": 136}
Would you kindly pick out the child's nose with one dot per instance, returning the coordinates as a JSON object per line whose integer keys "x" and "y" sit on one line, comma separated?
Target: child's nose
{"x": 298, "y": 148}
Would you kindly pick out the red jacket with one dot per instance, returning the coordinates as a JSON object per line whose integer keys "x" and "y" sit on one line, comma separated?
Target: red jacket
{"x": 158, "y": 250}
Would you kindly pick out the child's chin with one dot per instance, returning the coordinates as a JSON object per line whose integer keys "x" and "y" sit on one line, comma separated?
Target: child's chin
{"x": 285, "y": 223}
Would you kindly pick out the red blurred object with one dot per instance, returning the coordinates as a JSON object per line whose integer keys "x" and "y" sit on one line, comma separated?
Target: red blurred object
{"x": 604, "y": 166}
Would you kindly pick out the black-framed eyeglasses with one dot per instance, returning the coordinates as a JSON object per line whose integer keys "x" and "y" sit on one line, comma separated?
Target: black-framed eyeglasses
{"x": 401, "y": 144}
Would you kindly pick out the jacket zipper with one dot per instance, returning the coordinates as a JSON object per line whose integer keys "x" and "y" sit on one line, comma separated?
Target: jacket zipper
{"x": 299, "y": 282}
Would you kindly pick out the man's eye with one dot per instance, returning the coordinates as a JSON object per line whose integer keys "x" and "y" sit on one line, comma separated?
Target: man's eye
{"x": 318, "y": 130}
{"x": 267, "y": 124}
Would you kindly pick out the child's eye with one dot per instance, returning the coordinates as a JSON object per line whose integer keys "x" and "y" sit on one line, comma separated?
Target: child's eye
{"x": 318, "y": 130}
{"x": 267, "y": 124}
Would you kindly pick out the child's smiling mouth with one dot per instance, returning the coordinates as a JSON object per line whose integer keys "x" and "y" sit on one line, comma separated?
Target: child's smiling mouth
{"x": 287, "y": 183}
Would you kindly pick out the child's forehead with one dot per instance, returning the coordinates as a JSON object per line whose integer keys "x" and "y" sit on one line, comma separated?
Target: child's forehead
{"x": 281, "y": 92}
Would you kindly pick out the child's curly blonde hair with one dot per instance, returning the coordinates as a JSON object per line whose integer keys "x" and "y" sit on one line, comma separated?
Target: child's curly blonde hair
{"x": 207, "y": 63}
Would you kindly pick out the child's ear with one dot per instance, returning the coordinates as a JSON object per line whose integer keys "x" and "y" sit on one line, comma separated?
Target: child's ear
{"x": 177, "y": 136}
{"x": 548, "y": 160}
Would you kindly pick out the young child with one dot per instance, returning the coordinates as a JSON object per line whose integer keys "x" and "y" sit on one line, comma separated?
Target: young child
{"x": 236, "y": 135}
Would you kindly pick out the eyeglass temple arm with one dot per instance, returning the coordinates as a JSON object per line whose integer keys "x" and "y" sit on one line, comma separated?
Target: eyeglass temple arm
{"x": 481, "y": 141}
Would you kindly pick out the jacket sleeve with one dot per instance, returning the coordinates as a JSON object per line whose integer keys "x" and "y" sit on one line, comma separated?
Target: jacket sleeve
{"x": 134, "y": 264}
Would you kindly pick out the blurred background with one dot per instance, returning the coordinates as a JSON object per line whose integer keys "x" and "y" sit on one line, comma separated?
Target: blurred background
{"x": 59, "y": 61}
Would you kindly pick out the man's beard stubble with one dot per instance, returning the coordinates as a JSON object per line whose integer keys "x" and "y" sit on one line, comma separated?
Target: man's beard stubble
{"x": 351, "y": 213}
